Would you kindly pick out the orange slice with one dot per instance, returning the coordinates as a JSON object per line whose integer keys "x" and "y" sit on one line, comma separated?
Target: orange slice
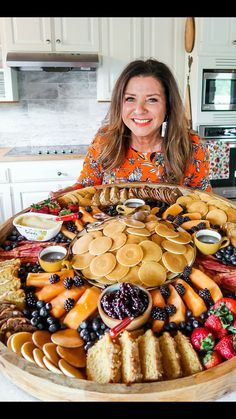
{"x": 152, "y": 274}
{"x": 129, "y": 254}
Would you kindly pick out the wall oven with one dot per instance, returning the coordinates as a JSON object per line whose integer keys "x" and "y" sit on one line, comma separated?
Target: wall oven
{"x": 218, "y": 90}
{"x": 221, "y": 142}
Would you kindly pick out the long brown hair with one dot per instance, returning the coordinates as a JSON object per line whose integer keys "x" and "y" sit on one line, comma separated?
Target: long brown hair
{"x": 177, "y": 145}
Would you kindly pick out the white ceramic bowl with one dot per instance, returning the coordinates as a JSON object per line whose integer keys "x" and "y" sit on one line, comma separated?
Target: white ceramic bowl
{"x": 36, "y": 226}
{"x": 137, "y": 322}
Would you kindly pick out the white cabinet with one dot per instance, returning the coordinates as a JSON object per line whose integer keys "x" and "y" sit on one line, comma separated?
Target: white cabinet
{"x": 52, "y": 34}
{"x": 126, "y": 39}
{"x": 27, "y": 182}
{"x": 216, "y": 35}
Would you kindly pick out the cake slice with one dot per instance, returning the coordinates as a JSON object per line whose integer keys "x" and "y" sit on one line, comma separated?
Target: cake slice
{"x": 170, "y": 357}
{"x": 150, "y": 356}
{"x": 130, "y": 360}
{"x": 188, "y": 356}
{"x": 103, "y": 362}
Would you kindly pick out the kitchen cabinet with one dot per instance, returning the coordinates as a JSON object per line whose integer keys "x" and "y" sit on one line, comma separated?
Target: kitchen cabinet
{"x": 126, "y": 39}
{"x": 47, "y": 34}
{"x": 216, "y": 35}
{"x": 26, "y": 182}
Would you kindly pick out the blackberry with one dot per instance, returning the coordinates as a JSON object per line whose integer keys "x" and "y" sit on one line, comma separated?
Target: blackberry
{"x": 31, "y": 300}
{"x": 158, "y": 313}
{"x": 179, "y": 220}
{"x": 206, "y": 296}
{"x": 170, "y": 217}
{"x": 170, "y": 309}
{"x": 201, "y": 226}
{"x": 187, "y": 271}
{"x": 187, "y": 280}
{"x": 186, "y": 219}
{"x": 68, "y": 283}
{"x": 70, "y": 225}
{"x": 164, "y": 290}
{"x": 54, "y": 278}
{"x": 180, "y": 289}
{"x": 88, "y": 208}
{"x": 69, "y": 304}
{"x": 78, "y": 281}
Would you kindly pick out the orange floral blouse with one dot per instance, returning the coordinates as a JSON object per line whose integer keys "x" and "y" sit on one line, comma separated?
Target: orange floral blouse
{"x": 145, "y": 167}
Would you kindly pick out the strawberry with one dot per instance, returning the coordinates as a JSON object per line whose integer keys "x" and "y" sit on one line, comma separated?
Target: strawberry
{"x": 54, "y": 208}
{"x": 227, "y": 346}
{"x": 230, "y": 304}
{"x": 202, "y": 339}
{"x": 214, "y": 323}
{"x": 73, "y": 207}
{"x": 211, "y": 359}
{"x": 39, "y": 208}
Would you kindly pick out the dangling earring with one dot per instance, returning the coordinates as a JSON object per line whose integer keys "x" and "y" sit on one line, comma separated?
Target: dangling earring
{"x": 163, "y": 128}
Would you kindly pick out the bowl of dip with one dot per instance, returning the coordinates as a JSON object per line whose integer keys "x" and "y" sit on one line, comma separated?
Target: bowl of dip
{"x": 36, "y": 226}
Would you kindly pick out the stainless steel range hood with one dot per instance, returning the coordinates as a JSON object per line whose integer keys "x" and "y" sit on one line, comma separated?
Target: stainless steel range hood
{"x": 52, "y": 61}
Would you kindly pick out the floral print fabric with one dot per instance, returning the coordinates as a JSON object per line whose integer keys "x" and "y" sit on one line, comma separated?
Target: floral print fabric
{"x": 145, "y": 167}
{"x": 219, "y": 159}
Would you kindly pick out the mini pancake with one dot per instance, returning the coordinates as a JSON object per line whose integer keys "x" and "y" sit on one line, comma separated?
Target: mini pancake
{"x": 217, "y": 217}
{"x": 184, "y": 200}
{"x": 129, "y": 254}
{"x": 18, "y": 339}
{"x": 151, "y": 251}
{"x": 152, "y": 217}
{"x": 88, "y": 274}
{"x": 183, "y": 238}
{"x": 189, "y": 254}
{"x": 198, "y": 206}
{"x": 156, "y": 238}
{"x": 104, "y": 281}
{"x": 38, "y": 357}
{"x": 152, "y": 274}
{"x": 49, "y": 349}
{"x": 68, "y": 338}
{"x": 173, "y": 262}
{"x": 50, "y": 366}
{"x": 95, "y": 234}
{"x": 40, "y": 337}
{"x": 113, "y": 228}
{"x": 69, "y": 370}
{"x": 82, "y": 261}
{"x": 173, "y": 247}
{"x": 168, "y": 224}
{"x": 133, "y": 223}
{"x": 138, "y": 231}
{"x": 100, "y": 245}
{"x": 27, "y": 351}
{"x": 150, "y": 225}
{"x": 9, "y": 342}
{"x": 165, "y": 231}
{"x": 118, "y": 272}
{"x": 134, "y": 239}
{"x": 82, "y": 244}
{"x": 103, "y": 264}
{"x": 75, "y": 357}
{"x": 118, "y": 241}
{"x": 132, "y": 276}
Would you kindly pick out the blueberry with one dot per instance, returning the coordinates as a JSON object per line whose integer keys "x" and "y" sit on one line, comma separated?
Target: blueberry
{"x": 189, "y": 313}
{"x": 35, "y": 313}
{"x": 88, "y": 345}
{"x": 93, "y": 336}
{"x": 53, "y": 328}
{"x": 43, "y": 312}
{"x": 84, "y": 324}
{"x": 40, "y": 326}
{"x": 40, "y": 303}
{"x": 48, "y": 306}
{"x": 96, "y": 323}
{"x": 34, "y": 321}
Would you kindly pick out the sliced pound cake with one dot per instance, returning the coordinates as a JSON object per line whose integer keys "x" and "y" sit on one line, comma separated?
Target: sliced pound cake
{"x": 130, "y": 359}
{"x": 150, "y": 356}
{"x": 188, "y": 356}
{"x": 104, "y": 361}
{"x": 170, "y": 357}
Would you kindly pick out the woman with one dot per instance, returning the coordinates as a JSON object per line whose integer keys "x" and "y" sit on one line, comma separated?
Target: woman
{"x": 145, "y": 136}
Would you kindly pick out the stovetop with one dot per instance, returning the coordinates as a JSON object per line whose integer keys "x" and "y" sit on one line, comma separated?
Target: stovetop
{"x": 45, "y": 150}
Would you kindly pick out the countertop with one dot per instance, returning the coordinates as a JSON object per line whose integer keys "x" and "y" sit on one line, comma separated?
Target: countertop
{"x": 10, "y": 392}
{"x": 5, "y": 158}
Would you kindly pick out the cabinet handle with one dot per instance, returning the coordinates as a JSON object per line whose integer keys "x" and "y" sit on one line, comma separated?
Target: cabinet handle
{"x": 234, "y": 42}
{"x": 59, "y": 173}
{"x": 48, "y": 41}
{"x": 58, "y": 41}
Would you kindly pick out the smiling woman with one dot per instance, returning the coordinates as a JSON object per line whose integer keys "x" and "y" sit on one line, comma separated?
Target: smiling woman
{"x": 145, "y": 137}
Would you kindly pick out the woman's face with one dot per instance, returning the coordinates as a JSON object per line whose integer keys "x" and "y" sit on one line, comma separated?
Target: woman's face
{"x": 144, "y": 106}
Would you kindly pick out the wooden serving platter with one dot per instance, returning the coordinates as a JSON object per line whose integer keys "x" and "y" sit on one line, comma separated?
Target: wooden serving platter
{"x": 207, "y": 385}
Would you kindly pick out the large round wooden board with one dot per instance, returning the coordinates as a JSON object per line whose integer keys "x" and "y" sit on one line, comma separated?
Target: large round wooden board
{"x": 204, "y": 386}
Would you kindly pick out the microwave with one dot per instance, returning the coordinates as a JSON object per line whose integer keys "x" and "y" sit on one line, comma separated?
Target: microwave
{"x": 218, "y": 90}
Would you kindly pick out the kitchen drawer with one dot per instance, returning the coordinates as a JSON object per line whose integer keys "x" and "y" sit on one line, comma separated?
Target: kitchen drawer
{"x": 4, "y": 175}
{"x": 60, "y": 170}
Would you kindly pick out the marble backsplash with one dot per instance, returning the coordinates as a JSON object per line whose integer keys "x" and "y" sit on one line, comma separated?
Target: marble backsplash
{"x": 53, "y": 108}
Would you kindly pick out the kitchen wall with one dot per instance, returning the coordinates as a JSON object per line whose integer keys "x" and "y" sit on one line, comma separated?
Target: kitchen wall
{"x": 53, "y": 108}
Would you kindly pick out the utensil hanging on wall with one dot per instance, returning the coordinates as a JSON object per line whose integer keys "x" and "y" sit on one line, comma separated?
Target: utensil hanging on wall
{"x": 188, "y": 107}
{"x": 189, "y": 37}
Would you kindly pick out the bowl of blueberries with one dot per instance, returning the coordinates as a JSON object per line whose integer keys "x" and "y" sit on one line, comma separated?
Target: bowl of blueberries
{"x": 125, "y": 300}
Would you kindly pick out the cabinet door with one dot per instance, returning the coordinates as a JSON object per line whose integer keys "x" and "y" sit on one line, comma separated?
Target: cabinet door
{"x": 78, "y": 34}
{"x": 28, "y": 33}
{"x": 217, "y": 35}
{"x": 25, "y": 194}
{"x": 5, "y": 203}
{"x": 120, "y": 44}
